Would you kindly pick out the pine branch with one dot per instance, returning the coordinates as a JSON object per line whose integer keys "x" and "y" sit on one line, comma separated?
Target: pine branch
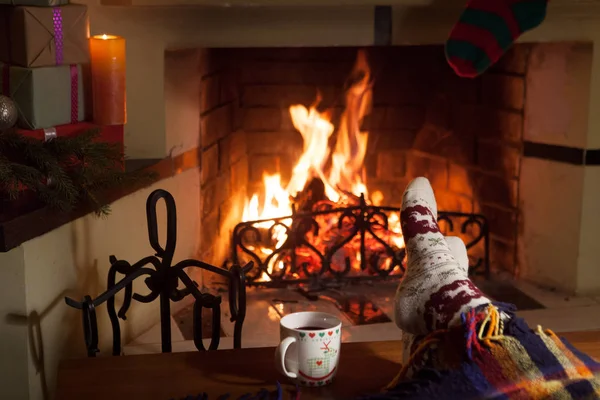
{"x": 64, "y": 171}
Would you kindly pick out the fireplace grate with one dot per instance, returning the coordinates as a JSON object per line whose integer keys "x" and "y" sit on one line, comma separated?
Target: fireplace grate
{"x": 296, "y": 260}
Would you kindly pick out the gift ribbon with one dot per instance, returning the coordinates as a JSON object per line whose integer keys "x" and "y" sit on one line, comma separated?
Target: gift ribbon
{"x": 58, "y": 34}
{"x": 74, "y": 93}
{"x": 49, "y": 134}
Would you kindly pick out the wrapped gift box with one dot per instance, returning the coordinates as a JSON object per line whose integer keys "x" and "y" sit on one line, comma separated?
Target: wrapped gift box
{"x": 108, "y": 133}
{"x": 44, "y": 36}
{"x": 45, "y": 97}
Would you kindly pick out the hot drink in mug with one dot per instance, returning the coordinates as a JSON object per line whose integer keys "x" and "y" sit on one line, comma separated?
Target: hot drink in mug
{"x": 310, "y": 347}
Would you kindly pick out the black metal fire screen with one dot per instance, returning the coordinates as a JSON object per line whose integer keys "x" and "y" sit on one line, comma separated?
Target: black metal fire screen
{"x": 345, "y": 244}
{"x": 163, "y": 280}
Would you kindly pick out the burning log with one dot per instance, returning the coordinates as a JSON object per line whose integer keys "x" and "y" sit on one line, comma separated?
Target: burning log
{"x": 313, "y": 193}
{"x": 351, "y": 198}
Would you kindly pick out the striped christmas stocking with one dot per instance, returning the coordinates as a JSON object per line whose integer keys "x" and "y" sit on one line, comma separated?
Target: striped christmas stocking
{"x": 487, "y": 29}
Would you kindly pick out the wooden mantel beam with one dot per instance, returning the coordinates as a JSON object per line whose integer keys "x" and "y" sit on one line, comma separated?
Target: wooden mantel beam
{"x": 585, "y": 8}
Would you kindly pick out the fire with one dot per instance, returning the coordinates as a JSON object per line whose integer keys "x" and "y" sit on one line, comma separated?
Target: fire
{"x": 315, "y": 128}
{"x": 276, "y": 204}
{"x": 341, "y": 171}
{"x": 347, "y": 171}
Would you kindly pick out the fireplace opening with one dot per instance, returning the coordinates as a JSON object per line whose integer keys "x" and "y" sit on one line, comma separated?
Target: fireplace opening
{"x": 300, "y": 146}
{"x": 323, "y": 133}
{"x": 308, "y": 228}
{"x": 315, "y": 130}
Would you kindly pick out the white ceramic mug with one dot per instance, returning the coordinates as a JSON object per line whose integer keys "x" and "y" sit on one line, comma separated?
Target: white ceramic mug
{"x": 310, "y": 347}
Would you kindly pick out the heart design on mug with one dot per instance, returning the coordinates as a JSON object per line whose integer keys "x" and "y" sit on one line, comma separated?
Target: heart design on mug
{"x": 337, "y": 331}
{"x": 330, "y": 333}
{"x": 322, "y": 334}
{"x": 302, "y": 334}
{"x": 319, "y": 363}
{"x": 311, "y": 383}
{"x": 320, "y": 383}
{"x": 312, "y": 335}
{"x": 328, "y": 381}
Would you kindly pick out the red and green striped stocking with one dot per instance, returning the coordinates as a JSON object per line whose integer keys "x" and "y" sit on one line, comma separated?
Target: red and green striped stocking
{"x": 487, "y": 29}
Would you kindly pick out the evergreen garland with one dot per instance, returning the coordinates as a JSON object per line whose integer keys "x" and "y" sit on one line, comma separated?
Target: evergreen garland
{"x": 65, "y": 171}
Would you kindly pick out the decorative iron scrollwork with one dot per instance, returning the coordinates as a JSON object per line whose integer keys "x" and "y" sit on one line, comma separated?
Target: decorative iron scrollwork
{"x": 163, "y": 280}
{"x": 283, "y": 261}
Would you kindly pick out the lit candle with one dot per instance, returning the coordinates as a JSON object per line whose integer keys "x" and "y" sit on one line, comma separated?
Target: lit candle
{"x": 108, "y": 79}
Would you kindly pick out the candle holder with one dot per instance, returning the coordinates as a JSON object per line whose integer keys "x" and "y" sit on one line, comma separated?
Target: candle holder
{"x": 108, "y": 79}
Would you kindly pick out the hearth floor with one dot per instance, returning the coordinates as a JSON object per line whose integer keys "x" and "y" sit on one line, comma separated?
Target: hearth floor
{"x": 366, "y": 314}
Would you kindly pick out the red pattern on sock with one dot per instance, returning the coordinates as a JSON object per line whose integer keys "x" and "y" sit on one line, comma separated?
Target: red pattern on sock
{"x": 417, "y": 220}
{"x": 442, "y": 306}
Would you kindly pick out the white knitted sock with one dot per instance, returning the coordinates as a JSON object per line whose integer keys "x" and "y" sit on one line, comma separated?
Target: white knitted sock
{"x": 410, "y": 341}
{"x": 459, "y": 252}
{"x": 435, "y": 289}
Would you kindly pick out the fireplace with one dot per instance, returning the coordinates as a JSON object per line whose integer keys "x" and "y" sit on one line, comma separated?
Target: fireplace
{"x": 496, "y": 150}
{"x": 418, "y": 119}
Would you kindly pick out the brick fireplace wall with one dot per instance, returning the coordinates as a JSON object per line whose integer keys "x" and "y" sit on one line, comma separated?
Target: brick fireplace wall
{"x": 464, "y": 135}
{"x": 269, "y": 82}
{"x": 224, "y": 165}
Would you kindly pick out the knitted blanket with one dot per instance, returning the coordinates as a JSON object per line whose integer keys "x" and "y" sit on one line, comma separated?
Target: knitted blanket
{"x": 495, "y": 355}
{"x": 491, "y": 355}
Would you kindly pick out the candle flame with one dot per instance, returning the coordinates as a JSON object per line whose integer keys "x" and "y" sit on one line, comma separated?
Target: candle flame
{"x": 105, "y": 37}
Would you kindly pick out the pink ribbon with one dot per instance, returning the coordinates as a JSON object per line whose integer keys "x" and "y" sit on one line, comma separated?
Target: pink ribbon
{"x": 74, "y": 93}
{"x": 58, "y": 34}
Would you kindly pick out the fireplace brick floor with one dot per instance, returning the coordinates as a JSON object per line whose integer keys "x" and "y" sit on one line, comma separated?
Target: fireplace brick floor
{"x": 366, "y": 314}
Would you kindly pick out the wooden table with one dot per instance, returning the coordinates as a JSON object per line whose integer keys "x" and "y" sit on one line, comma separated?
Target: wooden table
{"x": 364, "y": 368}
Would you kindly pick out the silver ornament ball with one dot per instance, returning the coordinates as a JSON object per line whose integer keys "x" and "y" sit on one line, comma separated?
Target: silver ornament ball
{"x": 8, "y": 113}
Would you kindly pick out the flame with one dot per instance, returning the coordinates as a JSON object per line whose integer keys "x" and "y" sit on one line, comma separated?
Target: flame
{"x": 315, "y": 128}
{"x": 395, "y": 227}
{"x": 347, "y": 172}
{"x": 276, "y": 203}
{"x": 341, "y": 171}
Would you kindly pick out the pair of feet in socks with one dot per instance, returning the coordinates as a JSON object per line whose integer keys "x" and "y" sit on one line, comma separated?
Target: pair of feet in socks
{"x": 436, "y": 288}
{"x": 457, "y": 344}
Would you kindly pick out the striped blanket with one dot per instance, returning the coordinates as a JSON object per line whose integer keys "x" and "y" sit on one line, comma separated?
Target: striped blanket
{"x": 495, "y": 355}
{"x": 491, "y": 355}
